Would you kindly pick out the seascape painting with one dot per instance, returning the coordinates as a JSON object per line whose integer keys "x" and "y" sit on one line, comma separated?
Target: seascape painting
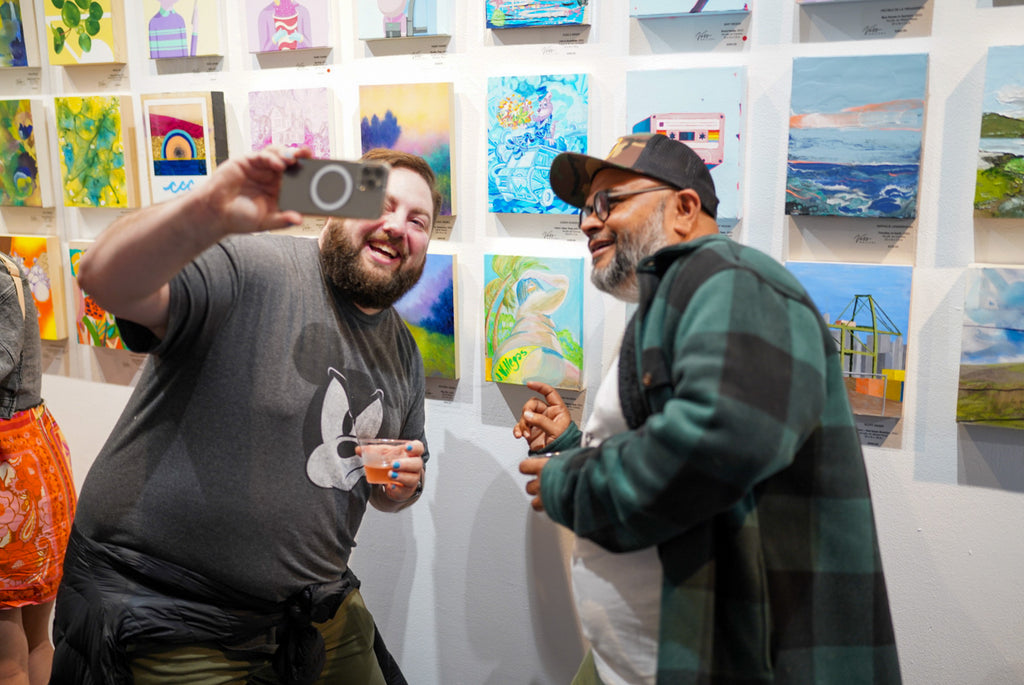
{"x": 649, "y": 9}
{"x": 855, "y": 132}
{"x": 92, "y": 135}
{"x": 282, "y": 25}
{"x": 380, "y": 19}
{"x": 181, "y": 28}
{"x": 13, "y": 49}
{"x": 430, "y": 310}
{"x": 704, "y": 108}
{"x": 530, "y": 120}
{"x": 39, "y": 256}
{"x": 292, "y": 118}
{"x": 991, "y": 387}
{"x": 96, "y": 326}
{"x": 416, "y": 118}
{"x": 533, "y": 320}
{"x": 22, "y": 148}
{"x": 867, "y": 309}
{"x": 187, "y": 138}
{"x": 999, "y": 189}
{"x": 84, "y": 32}
{"x": 511, "y": 14}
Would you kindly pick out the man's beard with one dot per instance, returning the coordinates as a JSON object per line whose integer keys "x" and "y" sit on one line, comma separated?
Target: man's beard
{"x": 619, "y": 277}
{"x": 343, "y": 266}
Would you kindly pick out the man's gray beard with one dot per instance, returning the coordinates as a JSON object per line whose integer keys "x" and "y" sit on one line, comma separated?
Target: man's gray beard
{"x": 342, "y": 265}
{"x": 619, "y": 278}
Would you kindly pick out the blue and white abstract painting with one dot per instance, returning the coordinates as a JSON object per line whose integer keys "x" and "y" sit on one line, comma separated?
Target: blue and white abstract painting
{"x": 530, "y": 120}
{"x": 855, "y": 136}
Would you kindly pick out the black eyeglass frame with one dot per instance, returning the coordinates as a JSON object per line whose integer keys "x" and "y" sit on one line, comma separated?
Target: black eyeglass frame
{"x": 603, "y": 201}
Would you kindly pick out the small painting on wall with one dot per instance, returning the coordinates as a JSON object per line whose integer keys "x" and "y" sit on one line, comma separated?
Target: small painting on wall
{"x": 187, "y": 139}
{"x": 650, "y": 9}
{"x": 282, "y": 25}
{"x": 991, "y": 386}
{"x": 704, "y": 108}
{"x": 23, "y": 148}
{"x": 416, "y": 118}
{"x": 379, "y": 19}
{"x": 39, "y": 256}
{"x": 293, "y": 118}
{"x": 530, "y": 120}
{"x": 85, "y": 32}
{"x": 855, "y": 131}
{"x": 96, "y": 149}
{"x": 430, "y": 310}
{"x": 999, "y": 189}
{"x": 511, "y": 14}
{"x": 96, "y": 326}
{"x": 533, "y": 320}
{"x": 17, "y": 36}
{"x": 867, "y": 309}
{"x": 182, "y": 28}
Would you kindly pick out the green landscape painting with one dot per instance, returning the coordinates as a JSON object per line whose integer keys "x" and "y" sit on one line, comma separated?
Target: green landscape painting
{"x": 999, "y": 191}
{"x": 991, "y": 390}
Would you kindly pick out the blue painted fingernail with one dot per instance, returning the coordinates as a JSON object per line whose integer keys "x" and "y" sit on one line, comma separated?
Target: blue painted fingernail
{"x": 408, "y": 448}
{"x": 394, "y": 487}
{"x": 396, "y": 466}
{"x": 394, "y": 474}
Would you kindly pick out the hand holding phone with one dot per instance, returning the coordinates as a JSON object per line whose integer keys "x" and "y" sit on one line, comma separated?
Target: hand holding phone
{"x": 333, "y": 187}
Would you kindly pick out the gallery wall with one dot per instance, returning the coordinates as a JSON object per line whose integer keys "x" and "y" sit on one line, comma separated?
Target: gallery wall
{"x": 469, "y": 586}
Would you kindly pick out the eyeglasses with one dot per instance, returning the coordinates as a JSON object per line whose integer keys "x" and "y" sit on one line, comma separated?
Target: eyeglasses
{"x": 605, "y": 201}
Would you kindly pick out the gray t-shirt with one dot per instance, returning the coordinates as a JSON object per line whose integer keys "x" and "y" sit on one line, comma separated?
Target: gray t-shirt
{"x": 235, "y": 454}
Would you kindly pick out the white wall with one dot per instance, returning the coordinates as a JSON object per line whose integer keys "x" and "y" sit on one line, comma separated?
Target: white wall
{"x": 469, "y": 585}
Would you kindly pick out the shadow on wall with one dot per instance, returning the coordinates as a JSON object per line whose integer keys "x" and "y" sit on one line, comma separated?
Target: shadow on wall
{"x": 990, "y": 457}
{"x": 501, "y": 581}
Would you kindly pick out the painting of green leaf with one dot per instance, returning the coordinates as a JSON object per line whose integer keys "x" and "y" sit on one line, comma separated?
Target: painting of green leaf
{"x": 533, "y": 320}
{"x": 999, "y": 190}
{"x": 19, "y": 161}
{"x": 91, "y": 150}
{"x": 81, "y": 31}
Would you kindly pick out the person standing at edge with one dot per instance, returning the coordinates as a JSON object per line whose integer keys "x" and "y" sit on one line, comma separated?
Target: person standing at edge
{"x": 214, "y": 529}
{"x": 37, "y": 492}
{"x": 718, "y": 493}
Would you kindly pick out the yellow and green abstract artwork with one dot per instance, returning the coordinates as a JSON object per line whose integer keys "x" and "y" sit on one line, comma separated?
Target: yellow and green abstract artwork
{"x": 91, "y": 146}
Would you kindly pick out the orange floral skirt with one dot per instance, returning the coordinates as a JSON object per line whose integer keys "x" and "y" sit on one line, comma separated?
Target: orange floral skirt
{"x": 37, "y": 504}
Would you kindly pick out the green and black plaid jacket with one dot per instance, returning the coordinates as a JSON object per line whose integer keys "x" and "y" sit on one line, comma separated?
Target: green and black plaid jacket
{"x": 743, "y": 467}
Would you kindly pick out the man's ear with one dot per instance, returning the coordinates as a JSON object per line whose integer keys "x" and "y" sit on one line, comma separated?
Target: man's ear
{"x": 687, "y": 208}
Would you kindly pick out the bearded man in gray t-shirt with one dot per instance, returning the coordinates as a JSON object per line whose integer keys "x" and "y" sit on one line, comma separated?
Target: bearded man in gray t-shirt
{"x": 215, "y": 526}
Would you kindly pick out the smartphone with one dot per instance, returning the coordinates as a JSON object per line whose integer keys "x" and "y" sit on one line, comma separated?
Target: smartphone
{"x": 334, "y": 187}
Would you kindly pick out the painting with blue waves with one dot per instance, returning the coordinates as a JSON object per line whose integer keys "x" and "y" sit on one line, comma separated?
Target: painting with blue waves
{"x": 855, "y": 136}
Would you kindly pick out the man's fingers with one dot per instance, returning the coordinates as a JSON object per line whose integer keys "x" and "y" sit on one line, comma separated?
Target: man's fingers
{"x": 551, "y": 395}
{"x": 536, "y": 420}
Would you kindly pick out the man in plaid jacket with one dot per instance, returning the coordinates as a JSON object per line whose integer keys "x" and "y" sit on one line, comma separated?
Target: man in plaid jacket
{"x": 723, "y": 520}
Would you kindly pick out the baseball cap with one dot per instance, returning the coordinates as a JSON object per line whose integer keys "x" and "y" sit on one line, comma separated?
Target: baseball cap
{"x": 649, "y": 154}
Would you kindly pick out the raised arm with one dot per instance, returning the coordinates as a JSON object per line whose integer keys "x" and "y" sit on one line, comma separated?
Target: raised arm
{"x": 128, "y": 270}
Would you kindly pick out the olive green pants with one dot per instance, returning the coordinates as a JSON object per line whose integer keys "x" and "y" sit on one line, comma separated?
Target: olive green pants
{"x": 587, "y": 673}
{"x": 348, "y": 639}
